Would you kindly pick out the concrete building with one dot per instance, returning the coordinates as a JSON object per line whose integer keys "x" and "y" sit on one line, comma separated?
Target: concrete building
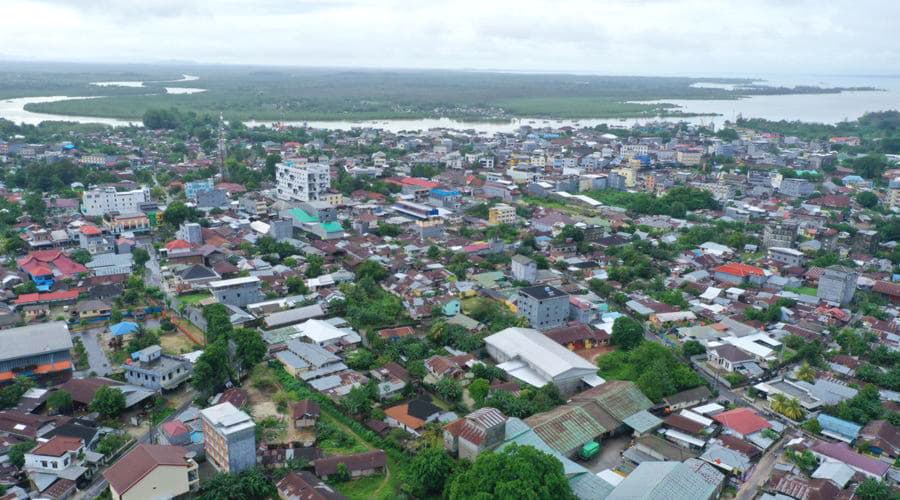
{"x": 893, "y": 198}
{"x": 783, "y": 234}
{"x": 214, "y": 198}
{"x": 524, "y": 269}
{"x": 545, "y": 307}
{"x": 796, "y": 187}
{"x": 153, "y": 471}
{"x": 837, "y": 285}
{"x": 229, "y": 438}
{"x": 191, "y": 189}
{"x": 237, "y": 292}
{"x": 787, "y": 256}
{"x": 502, "y": 213}
{"x": 302, "y": 182}
{"x": 531, "y": 357}
{"x": 105, "y": 200}
{"x": 152, "y": 369}
{"x": 190, "y": 232}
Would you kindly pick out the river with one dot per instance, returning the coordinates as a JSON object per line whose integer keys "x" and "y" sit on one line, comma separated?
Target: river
{"x": 823, "y": 108}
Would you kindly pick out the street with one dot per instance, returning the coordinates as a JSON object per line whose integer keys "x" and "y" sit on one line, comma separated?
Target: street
{"x": 761, "y": 472}
{"x": 96, "y": 356}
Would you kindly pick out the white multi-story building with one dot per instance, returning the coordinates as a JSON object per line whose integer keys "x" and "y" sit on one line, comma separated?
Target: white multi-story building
{"x": 302, "y": 182}
{"x": 229, "y": 438}
{"x": 105, "y": 200}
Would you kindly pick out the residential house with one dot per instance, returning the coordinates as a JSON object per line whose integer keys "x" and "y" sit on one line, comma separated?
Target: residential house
{"x": 153, "y": 471}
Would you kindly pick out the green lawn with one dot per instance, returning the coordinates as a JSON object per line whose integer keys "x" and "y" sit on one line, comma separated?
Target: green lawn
{"x": 803, "y": 290}
{"x": 372, "y": 487}
{"x": 192, "y": 298}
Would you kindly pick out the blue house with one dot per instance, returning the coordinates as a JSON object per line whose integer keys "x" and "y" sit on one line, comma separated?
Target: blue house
{"x": 838, "y": 429}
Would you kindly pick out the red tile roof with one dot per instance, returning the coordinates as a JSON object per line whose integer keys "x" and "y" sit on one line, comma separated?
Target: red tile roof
{"x": 177, "y": 244}
{"x": 36, "y": 298}
{"x": 54, "y": 259}
{"x": 742, "y": 420}
{"x": 887, "y": 288}
{"x": 740, "y": 269}
{"x": 90, "y": 230}
{"x": 57, "y": 446}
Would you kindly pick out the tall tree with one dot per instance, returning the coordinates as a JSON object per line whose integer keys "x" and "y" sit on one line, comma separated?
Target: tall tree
{"x": 515, "y": 472}
{"x": 627, "y": 333}
{"x": 108, "y": 401}
{"x": 428, "y": 471}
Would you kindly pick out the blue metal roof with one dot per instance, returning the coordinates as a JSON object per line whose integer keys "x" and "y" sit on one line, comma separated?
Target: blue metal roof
{"x": 838, "y": 426}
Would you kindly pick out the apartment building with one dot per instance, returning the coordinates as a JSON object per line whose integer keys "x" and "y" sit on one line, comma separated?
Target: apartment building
{"x": 837, "y": 285}
{"x": 229, "y": 438}
{"x": 302, "y": 182}
{"x": 545, "y": 307}
{"x": 106, "y": 200}
{"x": 502, "y": 213}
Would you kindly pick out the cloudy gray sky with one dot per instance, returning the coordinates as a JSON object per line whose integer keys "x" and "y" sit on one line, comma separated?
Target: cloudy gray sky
{"x": 685, "y": 37}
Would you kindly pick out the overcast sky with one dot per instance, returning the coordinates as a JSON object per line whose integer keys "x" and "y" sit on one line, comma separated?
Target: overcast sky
{"x": 650, "y": 37}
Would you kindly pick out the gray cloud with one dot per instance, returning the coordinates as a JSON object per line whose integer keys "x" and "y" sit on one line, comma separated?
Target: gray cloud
{"x": 611, "y": 36}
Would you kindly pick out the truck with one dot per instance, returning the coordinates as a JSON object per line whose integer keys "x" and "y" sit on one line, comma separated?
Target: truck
{"x": 589, "y": 450}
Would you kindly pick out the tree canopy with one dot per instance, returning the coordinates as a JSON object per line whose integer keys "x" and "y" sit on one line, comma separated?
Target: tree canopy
{"x": 516, "y": 472}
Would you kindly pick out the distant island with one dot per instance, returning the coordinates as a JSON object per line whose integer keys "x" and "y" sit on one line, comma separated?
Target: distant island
{"x": 254, "y": 93}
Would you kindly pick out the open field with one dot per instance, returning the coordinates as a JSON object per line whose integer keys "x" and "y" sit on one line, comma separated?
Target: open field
{"x": 281, "y": 93}
{"x": 176, "y": 343}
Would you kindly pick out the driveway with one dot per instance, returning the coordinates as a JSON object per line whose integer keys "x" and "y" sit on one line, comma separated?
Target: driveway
{"x": 96, "y": 357}
{"x": 610, "y": 455}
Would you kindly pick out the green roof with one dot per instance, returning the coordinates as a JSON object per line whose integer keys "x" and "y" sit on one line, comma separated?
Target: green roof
{"x": 332, "y": 227}
{"x": 301, "y": 216}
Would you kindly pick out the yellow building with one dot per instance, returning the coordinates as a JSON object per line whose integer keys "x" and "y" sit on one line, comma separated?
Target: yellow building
{"x": 630, "y": 174}
{"x": 502, "y": 214}
{"x": 894, "y": 194}
{"x": 334, "y": 199}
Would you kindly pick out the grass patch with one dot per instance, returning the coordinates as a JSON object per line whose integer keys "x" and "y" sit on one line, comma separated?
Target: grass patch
{"x": 192, "y": 298}
{"x": 160, "y": 414}
{"x": 340, "y": 441}
{"x": 365, "y": 488}
{"x": 803, "y": 290}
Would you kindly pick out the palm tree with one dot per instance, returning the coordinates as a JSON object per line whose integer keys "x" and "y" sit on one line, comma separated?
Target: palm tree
{"x": 789, "y": 407}
{"x": 794, "y": 410}
{"x": 806, "y": 372}
{"x": 779, "y": 402}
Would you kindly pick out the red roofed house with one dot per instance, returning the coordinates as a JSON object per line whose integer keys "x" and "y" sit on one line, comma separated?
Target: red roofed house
{"x": 47, "y": 298}
{"x": 737, "y": 273}
{"x": 742, "y": 421}
{"x": 176, "y": 246}
{"x": 55, "y": 260}
{"x": 152, "y": 471}
{"x": 890, "y": 291}
{"x": 60, "y": 457}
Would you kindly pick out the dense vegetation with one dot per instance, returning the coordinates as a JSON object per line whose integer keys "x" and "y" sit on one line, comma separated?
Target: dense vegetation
{"x": 319, "y": 93}
{"x": 655, "y": 369}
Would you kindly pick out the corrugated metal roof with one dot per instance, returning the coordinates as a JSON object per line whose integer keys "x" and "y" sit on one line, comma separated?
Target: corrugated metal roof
{"x": 642, "y": 421}
{"x": 566, "y": 428}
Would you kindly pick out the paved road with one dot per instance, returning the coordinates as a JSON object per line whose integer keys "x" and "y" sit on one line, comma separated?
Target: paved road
{"x": 96, "y": 357}
{"x": 761, "y": 472}
{"x": 100, "y": 484}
